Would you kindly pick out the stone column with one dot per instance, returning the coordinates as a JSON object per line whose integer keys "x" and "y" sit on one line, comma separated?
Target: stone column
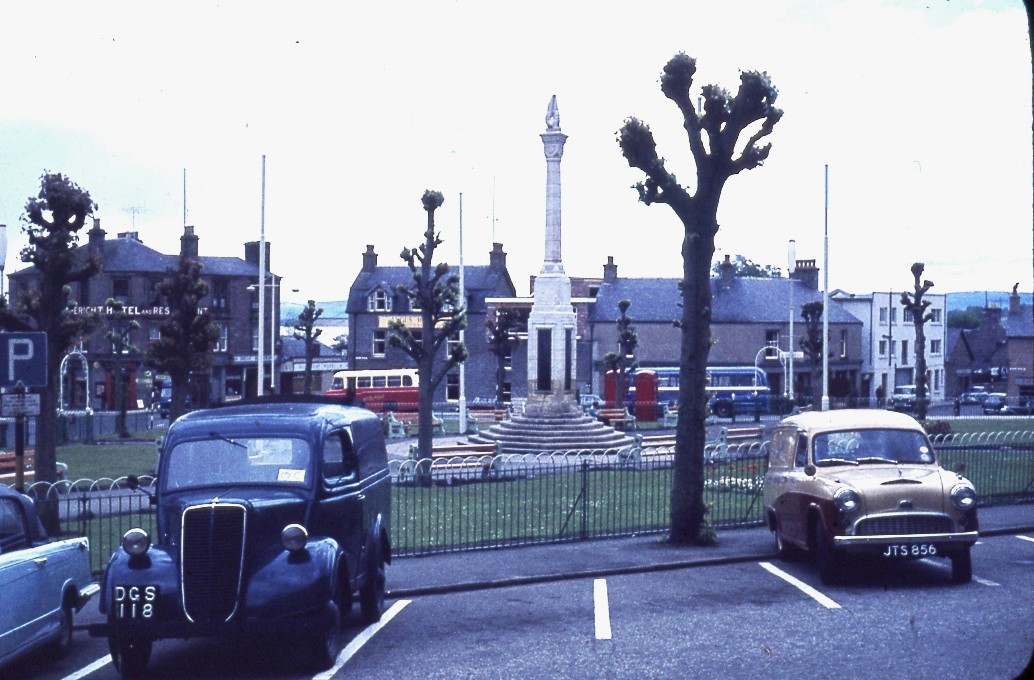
{"x": 552, "y": 328}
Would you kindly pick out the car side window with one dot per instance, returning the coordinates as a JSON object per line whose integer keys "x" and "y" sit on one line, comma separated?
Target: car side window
{"x": 339, "y": 459}
{"x": 13, "y": 535}
{"x": 802, "y": 452}
{"x": 781, "y": 451}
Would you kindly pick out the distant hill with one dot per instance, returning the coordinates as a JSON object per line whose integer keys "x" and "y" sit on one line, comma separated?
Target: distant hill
{"x": 289, "y": 311}
{"x": 980, "y": 298}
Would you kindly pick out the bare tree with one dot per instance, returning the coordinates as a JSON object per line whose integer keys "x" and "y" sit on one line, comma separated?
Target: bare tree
{"x": 714, "y": 136}
{"x": 435, "y": 293}
{"x": 622, "y": 361}
{"x": 306, "y": 331}
{"x": 917, "y": 306}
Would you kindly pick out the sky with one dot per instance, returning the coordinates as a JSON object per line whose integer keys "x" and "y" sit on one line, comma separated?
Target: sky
{"x": 919, "y": 113}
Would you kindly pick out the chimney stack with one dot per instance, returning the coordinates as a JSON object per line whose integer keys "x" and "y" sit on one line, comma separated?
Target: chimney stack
{"x": 369, "y": 259}
{"x": 188, "y": 244}
{"x": 610, "y": 270}
{"x": 497, "y": 258}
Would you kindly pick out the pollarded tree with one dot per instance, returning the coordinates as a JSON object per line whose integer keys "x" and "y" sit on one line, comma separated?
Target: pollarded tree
{"x": 622, "y": 361}
{"x": 306, "y": 331}
{"x": 187, "y": 337}
{"x": 746, "y": 267}
{"x": 53, "y": 220}
{"x": 917, "y": 307}
{"x": 813, "y": 344}
{"x": 504, "y": 327}
{"x": 435, "y": 293}
{"x": 120, "y": 328}
{"x": 724, "y": 140}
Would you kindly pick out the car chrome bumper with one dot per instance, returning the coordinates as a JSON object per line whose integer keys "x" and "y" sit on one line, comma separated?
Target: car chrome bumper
{"x": 864, "y": 542}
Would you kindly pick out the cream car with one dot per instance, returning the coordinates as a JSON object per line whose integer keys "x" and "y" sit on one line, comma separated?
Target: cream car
{"x": 865, "y": 482}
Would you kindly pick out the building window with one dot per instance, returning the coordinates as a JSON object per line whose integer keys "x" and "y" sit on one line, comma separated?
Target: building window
{"x": 254, "y": 337}
{"x": 154, "y": 332}
{"x": 772, "y": 344}
{"x": 414, "y": 304}
{"x": 893, "y": 315}
{"x": 452, "y": 343}
{"x": 883, "y": 315}
{"x": 843, "y": 344}
{"x": 120, "y": 289}
{"x": 220, "y": 293}
{"x": 379, "y": 301}
{"x": 904, "y": 352}
{"x": 935, "y": 347}
{"x": 883, "y": 348}
{"x": 380, "y": 343}
{"x": 222, "y": 343}
{"x": 907, "y": 316}
{"x": 452, "y": 387}
{"x": 936, "y": 315}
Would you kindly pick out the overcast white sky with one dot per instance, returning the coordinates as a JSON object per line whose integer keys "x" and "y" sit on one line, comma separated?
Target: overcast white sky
{"x": 922, "y": 110}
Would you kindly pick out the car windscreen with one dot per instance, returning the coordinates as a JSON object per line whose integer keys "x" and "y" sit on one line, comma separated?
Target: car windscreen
{"x": 238, "y": 460}
{"x": 871, "y": 446}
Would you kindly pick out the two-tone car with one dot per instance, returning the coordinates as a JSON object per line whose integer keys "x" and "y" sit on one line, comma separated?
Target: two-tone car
{"x": 271, "y": 517}
{"x": 865, "y": 482}
{"x": 43, "y": 583}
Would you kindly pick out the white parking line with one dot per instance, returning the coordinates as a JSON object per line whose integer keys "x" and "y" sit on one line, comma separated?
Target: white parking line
{"x": 800, "y": 585}
{"x": 1026, "y": 538}
{"x": 602, "y": 607}
{"x": 359, "y": 640}
{"x": 93, "y": 667}
{"x": 985, "y": 582}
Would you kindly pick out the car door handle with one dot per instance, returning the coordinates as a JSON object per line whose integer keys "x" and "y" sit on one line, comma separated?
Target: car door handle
{"x": 40, "y": 562}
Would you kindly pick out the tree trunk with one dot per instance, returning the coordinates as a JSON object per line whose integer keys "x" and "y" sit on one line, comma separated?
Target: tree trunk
{"x": 687, "y": 505}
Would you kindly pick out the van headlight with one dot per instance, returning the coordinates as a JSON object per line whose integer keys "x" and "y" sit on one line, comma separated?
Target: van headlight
{"x": 846, "y": 500}
{"x": 294, "y": 537}
{"x": 963, "y": 496}
{"x": 136, "y": 542}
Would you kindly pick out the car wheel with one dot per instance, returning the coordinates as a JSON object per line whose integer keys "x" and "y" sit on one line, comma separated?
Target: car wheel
{"x": 824, "y": 555}
{"x": 723, "y": 410}
{"x": 961, "y": 567}
{"x": 324, "y": 647}
{"x": 63, "y": 642}
{"x": 129, "y": 655}
{"x": 371, "y": 595}
{"x": 787, "y": 552}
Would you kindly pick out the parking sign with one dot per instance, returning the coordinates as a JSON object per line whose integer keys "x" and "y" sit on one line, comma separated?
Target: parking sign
{"x": 23, "y": 357}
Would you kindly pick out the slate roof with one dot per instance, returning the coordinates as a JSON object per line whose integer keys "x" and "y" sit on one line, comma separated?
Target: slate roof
{"x": 292, "y": 347}
{"x": 1019, "y": 325}
{"x": 127, "y": 255}
{"x": 745, "y": 300}
{"x": 479, "y": 281}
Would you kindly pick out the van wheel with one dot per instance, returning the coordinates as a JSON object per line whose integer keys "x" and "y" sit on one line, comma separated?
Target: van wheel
{"x": 961, "y": 567}
{"x": 129, "y": 656}
{"x": 371, "y": 595}
{"x": 323, "y": 647}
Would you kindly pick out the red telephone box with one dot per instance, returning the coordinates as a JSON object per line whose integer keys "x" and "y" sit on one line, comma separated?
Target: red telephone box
{"x": 645, "y": 395}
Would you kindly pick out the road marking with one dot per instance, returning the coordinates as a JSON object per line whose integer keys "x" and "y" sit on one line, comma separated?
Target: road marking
{"x": 602, "y": 607}
{"x": 1026, "y": 538}
{"x": 800, "y": 585}
{"x": 985, "y": 582}
{"x": 95, "y": 666}
{"x": 361, "y": 639}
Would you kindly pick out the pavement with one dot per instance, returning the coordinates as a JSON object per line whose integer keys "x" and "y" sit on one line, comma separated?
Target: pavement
{"x": 505, "y": 567}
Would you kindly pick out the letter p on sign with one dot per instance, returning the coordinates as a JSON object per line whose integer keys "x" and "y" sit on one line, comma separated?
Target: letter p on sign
{"x": 23, "y": 357}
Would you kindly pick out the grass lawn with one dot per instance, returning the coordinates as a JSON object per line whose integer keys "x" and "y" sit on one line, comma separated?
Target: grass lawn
{"x": 134, "y": 456}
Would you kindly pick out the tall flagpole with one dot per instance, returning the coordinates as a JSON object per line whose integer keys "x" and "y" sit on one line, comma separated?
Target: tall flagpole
{"x": 825, "y": 302}
{"x": 463, "y": 303}
{"x": 262, "y": 289}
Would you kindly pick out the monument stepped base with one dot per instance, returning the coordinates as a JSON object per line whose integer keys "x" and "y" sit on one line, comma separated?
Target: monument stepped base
{"x": 546, "y": 433}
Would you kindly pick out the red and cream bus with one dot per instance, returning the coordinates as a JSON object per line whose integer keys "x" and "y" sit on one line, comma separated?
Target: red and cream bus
{"x": 390, "y": 389}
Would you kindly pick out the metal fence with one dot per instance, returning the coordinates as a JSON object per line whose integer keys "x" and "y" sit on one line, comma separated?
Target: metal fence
{"x": 466, "y": 503}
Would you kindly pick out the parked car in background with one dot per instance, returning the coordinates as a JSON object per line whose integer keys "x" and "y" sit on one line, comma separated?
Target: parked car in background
{"x": 974, "y": 395}
{"x": 994, "y": 403}
{"x": 43, "y": 584}
{"x": 271, "y": 516}
{"x": 1022, "y": 407}
{"x": 865, "y": 482}
{"x": 904, "y": 398}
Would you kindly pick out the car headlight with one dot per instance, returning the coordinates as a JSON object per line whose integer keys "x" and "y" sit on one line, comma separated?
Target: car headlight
{"x": 136, "y": 542}
{"x": 294, "y": 537}
{"x": 846, "y": 500}
{"x": 963, "y": 496}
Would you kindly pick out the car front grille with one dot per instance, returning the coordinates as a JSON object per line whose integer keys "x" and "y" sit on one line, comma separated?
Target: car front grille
{"x": 903, "y": 524}
{"x": 211, "y": 560}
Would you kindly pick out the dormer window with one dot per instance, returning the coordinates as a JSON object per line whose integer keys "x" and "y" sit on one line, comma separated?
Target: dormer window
{"x": 379, "y": 301}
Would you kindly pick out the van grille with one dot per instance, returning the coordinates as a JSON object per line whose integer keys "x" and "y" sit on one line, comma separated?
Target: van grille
{"x": 211, "y": 561}
{"x": 903, "y": 524}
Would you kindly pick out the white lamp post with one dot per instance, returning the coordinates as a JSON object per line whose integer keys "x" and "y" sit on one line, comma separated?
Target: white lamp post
{"x": 791, "y": 257}
{"x": 273, "y": 307}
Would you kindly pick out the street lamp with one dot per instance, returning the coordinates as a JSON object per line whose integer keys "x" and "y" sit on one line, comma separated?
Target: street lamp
{"x": 791, "y": 257}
